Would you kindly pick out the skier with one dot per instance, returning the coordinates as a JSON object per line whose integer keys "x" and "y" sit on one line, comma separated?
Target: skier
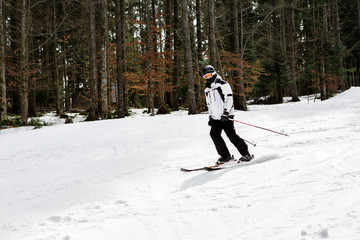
{"x": 219, "y": 100}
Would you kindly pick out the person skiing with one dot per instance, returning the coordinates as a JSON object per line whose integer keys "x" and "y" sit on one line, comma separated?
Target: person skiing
{"x": 219, "y": 100}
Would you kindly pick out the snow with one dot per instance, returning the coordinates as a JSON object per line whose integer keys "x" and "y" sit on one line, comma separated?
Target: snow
{"x": 120, "y": 179}
{"x": 48, "y": 118}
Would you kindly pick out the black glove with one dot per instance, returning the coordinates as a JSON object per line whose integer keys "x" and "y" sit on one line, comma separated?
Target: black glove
{"x": 210, "y": 120}
{"x": 225, "y": 116}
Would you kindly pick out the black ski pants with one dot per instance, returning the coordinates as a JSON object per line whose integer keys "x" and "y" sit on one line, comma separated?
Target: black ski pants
{"x": 228, "y": 126}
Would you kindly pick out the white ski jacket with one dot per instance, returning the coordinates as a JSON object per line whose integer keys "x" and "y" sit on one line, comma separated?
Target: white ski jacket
{"x": 219, "y": 98}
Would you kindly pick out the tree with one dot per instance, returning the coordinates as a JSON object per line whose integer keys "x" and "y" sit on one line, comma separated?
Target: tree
{"x": 55, "y": 66}
{"x": 119, "y": 76}
{"x": 338, "y": 46}
{"x": 167, "y": 47}
{"x": 149, "y": 62}
{"x": 24, "y": 62}
{"x": 290, "y": 47}
{"x": 212, "y": 38}
{"x": 3, "y": 100}
{"x": 104, "y": 66}
{"x": 239, "y": 92}
{"x": 199, "y": 34}
{"x": 358, "y": 54}
{"x": 174, "y": 103}
{"x": 62, "y": 55}
{"x": 358, "y": 15}
{"x": 188, "y": 59}
{"x": 277, "y": 94}
{"x": 93, "y": 66}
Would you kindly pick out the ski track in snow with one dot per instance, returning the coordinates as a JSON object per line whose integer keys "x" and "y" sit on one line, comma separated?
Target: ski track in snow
{"x": 120, "y": 179}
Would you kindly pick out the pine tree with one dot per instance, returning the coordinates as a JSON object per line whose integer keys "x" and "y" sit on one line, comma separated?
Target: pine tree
{"x": 290, "y": 47}
{"x": 188, "y": 59}
{"x": 119, "y": 56}
{"x": 3, "y": 100}
{"x": 93, "y": 65}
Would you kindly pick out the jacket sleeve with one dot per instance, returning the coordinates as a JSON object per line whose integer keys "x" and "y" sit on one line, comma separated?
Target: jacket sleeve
{"x": 207, "y": 98}
{"x": 228, "y": 97}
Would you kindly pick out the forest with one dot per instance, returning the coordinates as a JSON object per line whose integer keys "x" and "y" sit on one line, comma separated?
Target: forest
{"x": 103, "y": 57}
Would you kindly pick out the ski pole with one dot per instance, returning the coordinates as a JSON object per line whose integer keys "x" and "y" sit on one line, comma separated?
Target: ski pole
{"x": 250, "y": 142}
{"x": 260, "y": 127}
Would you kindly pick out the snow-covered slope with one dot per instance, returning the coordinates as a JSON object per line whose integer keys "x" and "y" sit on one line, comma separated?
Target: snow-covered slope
{"x": 120, "y": 179}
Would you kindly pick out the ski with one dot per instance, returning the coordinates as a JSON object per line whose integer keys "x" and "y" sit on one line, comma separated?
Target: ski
{"x": 198, "y": 169}
{"x": 215, "y": 167}
{"x": 227, "y": 165}
{"x": 208, "y": 168}
{"x": 204, "y": 168}
{"x": 223, "y": 166}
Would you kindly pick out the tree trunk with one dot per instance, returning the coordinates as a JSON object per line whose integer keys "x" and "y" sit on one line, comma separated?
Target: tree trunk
{"x": 239, "y": 91}
{"x": 149, "y": 63}
{"x": 199, "y": 93}
{"x": 276, "y": 37}
{"x": 123, "y": 54}
{"x": 188, "y": 59}
{"x": 104, "y": 67}
{"x": 65, "y": 75}
{"x": 199, "y": 30}
{"x": 339, "y": 45}
{"x": 32, "y": 87}
{"x": 55, "y": 70}
{"x": 3, "y": 100}
{"x": 322, "y": 65}
{"x": 24, "y": 63}
{"x": 175, "y": 77}
{"x": 357, "y": 76}
{"x": 119, "y": 75}
{"x": 358, "y": 11}
{"x": 157, "y": 50}
{"x": 167, "y": 49}
{"x": 212, "y": 39}
{"x": 290, "y": 44}
{"x": 93, "y": 66}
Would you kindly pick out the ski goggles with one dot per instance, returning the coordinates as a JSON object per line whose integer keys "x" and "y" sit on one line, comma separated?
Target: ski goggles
{"x": 208, "y": 75}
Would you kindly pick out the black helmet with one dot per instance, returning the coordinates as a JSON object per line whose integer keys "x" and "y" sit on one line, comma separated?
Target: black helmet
{"x": 208, "y": 71}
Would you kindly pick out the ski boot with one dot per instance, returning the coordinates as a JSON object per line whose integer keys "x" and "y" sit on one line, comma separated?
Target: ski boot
{"x": 246, "y": 158}
{"x": 222, "y": 160}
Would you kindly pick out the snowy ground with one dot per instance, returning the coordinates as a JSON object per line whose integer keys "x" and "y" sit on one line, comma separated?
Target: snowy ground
{"x": 48, "y": 119}
{"x": 120, "y": 179}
